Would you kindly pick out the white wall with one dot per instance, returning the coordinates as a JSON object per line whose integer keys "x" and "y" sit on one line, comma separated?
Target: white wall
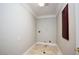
{"x": 17, "y": 29}
{"x": 67, "y": 47}
{"x": 47, "y": 27}
{"x": 77, "y": 24}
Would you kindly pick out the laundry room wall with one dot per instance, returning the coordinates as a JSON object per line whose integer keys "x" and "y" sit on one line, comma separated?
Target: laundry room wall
{"x": 67, "y": 46}
{"x": 47, "y": 27}
{"x": 17, "y": 28}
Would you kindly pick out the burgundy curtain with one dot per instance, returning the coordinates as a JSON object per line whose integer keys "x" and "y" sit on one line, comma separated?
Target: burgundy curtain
{"x": 65, "y": 24}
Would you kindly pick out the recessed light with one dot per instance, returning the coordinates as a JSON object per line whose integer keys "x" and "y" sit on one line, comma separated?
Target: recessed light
{"x": 41, "y": 4}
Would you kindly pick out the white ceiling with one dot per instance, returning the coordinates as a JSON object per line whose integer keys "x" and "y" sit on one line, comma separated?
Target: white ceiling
{"x": 50, "y": 9}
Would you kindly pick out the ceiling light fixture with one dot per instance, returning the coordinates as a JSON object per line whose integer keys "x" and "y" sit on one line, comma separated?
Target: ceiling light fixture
{"x": 41, "y": 4}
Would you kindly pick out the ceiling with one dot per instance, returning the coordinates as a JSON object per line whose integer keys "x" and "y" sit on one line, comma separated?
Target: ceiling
{"x": 49, "y": 9}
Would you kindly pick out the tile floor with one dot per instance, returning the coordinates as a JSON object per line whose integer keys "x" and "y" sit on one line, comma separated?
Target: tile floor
{"x": 41, "y": 48}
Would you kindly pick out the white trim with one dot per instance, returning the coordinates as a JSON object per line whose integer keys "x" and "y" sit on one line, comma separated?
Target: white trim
{"x": 47, "y": 16}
